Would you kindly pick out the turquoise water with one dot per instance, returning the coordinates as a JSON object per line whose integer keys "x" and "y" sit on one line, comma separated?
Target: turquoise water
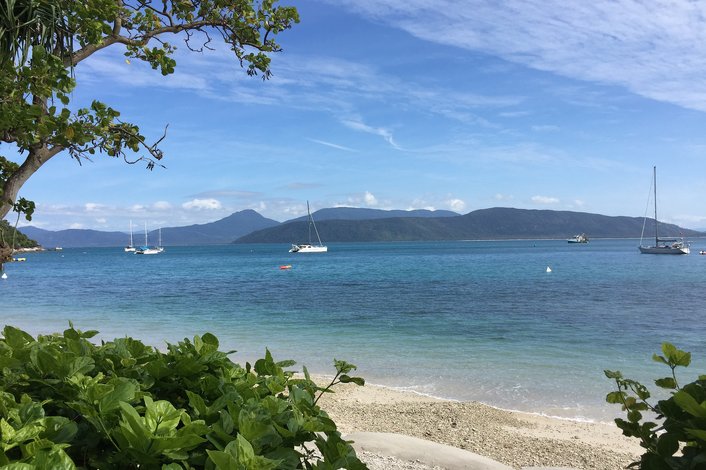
{"x": 463, "y": 320}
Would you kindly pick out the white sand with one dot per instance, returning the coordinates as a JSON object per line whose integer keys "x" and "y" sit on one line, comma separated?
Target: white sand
{"x": 513, "y": 438}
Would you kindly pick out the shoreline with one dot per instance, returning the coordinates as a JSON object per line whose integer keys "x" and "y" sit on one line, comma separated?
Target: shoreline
{"x": 402, "y": 390}
{"x": 514, "y": 438}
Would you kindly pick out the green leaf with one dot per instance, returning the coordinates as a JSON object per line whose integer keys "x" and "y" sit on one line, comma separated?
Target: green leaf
{"x": 697, "y": 433}
{"x": 123, "y": 391}
{"x": 19, "y": 466}
{"x": 613, "y": 374}
{"x": 80, "y": 365}
{"x": 616, "y": 397}
{"x": 161, "y": 417}
{"x": 689, "y": 404}
{"x": 667, "y": 382}
{"x": 675, "y": 357}
{"x": 356, "y": 380}
{"x": 134, "y": 429}
{"x": 211, "y": 340}
{"x": 634, "y": 416}
{"x": 667, "y": 445}
{"x": 16, "y": 338}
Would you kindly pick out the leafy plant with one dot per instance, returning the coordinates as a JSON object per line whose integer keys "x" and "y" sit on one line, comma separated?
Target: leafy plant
{"x": 681, "y": 419}
{"x": 66, "y": 402}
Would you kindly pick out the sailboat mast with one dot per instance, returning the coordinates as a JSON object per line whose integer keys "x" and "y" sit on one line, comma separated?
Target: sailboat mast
{"x": 654, "y": 177}
{"x": 311, "y": 222}
{"x": 131, "y": 242}
{"x": 308, "y": 212}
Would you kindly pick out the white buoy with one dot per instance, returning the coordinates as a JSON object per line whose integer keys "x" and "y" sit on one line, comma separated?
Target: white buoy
{"x": 4, "y": 275}
{"x": 549, "y": 269}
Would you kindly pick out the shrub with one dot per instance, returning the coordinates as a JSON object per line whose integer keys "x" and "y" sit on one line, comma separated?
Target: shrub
{"x": 68, "y": 403}
{"x": 681, "y": 418}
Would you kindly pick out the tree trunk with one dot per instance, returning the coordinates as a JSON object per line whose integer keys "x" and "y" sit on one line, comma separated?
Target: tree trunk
{"x": 37, "y": 157}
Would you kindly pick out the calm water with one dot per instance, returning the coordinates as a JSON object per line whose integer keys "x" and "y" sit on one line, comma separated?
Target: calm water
{"x": 464, "y": 320}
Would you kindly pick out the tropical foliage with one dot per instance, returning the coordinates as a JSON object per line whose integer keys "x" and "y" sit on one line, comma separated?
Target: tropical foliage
{"x": 67, "y": 403}
{"x": 8, "y": 233}
{"x": 676, "y": 439}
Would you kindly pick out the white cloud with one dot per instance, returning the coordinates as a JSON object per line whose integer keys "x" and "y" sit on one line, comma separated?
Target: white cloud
{"x": 92, "y": 207}
{"x": 359, "y": 125}
{"x": 456, "y": 205}
{"x": 329, "y": 144}
{"x": 503, "y": 197}
{"x": 544, "y": 200}
{"x": 370, "y": 199}
{"x": 654, "y": 49}
{"x": 77, "y": 226}
{"x": 202, "y": 204}
{"x": 162, "y": 206}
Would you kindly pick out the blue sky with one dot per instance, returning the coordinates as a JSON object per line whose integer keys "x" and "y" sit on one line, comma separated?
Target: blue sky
{"x": 410, "y": 104}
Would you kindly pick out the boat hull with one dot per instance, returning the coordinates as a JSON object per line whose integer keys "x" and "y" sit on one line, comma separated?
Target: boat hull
{"x": 148, "y": 251}
{"x": 664, "y": 250}
{"x": 308, "y": 249}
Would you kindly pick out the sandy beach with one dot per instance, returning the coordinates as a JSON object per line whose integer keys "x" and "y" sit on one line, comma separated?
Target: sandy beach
{"x": 512, "y": 438}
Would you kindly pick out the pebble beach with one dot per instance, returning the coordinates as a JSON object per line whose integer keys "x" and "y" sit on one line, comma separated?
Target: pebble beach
{"x": 519, "y": 440}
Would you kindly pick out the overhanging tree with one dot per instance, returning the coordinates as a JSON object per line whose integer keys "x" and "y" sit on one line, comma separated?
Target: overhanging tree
{"x": 41, "y": 41}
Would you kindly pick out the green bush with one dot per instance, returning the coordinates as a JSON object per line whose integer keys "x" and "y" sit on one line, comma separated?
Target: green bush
{"x": 68, "y": 403}
{"x": 678, "y": 439}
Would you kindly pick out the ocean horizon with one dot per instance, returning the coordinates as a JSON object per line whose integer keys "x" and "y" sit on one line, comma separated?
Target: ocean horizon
{"x": 463, "y": 320}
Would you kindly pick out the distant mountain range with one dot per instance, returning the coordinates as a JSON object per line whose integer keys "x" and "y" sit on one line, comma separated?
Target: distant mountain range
{"x": 348, "y": 224}
{"x": 484, "y": 224}
{"x": 357, "y": 213}
{"x": 219, "y": 232}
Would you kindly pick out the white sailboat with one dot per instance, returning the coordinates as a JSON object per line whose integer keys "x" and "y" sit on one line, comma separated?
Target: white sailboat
{"x": 662, "y": 246}
{"x": 146, "y": 249}
{"x": 309, "y": 247}
{"x": 131, "y": 246}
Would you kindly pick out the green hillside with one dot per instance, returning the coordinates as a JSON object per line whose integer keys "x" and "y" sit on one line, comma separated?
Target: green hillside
{"x": 486, "y": 224}
{"x": 20, "y": 239}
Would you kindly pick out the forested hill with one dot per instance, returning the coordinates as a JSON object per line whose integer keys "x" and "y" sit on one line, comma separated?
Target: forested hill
{"x": 15, "y": 240}
{"x": 494, "y": 223}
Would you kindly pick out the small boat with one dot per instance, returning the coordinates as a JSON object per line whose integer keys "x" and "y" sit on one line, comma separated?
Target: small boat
{"x": 580, "y": 238}
{"x": 130, "y": 248}
{"x": 286, "y": 266}
{"x": 309, "y": 247}
{"x": 662, "y": 246}
{"x": 702, "y": 252}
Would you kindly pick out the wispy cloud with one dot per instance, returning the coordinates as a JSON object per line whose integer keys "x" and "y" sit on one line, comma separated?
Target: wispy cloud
{"x": 359, "y": 125}
{"x": 335, "y": 146}
{"x": 544, "y": 200}
{"x": 654, "y": 49}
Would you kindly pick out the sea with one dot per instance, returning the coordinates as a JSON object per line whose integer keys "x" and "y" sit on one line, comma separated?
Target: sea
{"x": 527, "y": 325}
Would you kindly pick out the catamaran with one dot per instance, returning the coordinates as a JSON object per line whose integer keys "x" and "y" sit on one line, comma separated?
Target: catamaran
{"x": 662, "y": 246}
{"x": 309, "y": 247}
